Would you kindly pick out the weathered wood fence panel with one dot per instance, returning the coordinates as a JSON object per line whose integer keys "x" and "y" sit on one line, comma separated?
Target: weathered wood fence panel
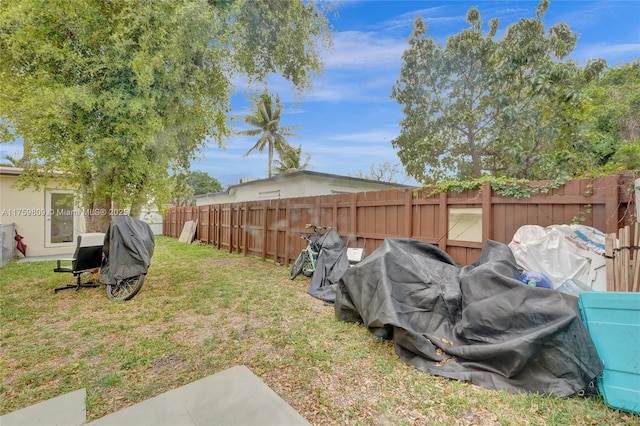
{"x": 271, "y": 229}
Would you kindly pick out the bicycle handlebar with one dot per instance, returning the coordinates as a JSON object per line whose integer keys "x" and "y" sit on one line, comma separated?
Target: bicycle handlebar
{"x": 316, "y": 228}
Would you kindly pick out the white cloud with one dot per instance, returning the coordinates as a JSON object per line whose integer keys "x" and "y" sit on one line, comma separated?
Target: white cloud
{"x": 372, "y": 136}
{"x": 612, "y": 53}
{"x": 356, "y": 49}
{"x": 432, "y": 16}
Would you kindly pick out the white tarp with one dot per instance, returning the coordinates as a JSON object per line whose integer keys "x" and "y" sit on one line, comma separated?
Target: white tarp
{"x": 561, "y": 252}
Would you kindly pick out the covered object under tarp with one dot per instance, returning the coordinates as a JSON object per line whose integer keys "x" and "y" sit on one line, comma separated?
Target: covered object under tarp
{"x": 128, "y": 248}
{"x": 332, "y": 262}
{"x": 476, "y": 323}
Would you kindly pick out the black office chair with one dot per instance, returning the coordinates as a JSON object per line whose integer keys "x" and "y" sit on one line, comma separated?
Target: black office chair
{"x": 87, "y": 257}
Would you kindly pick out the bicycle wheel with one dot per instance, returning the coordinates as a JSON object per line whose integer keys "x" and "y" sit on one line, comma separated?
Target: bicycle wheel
{"x": 308, "y": 268}
{"x": 125, "y": 289}
{"x": 296, "y": 268}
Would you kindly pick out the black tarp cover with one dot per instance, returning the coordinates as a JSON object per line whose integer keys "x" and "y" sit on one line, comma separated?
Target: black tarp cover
{"x": 331, "y": 264}
{"x": 128, "y": 247}
{"x": 476, "y": 323}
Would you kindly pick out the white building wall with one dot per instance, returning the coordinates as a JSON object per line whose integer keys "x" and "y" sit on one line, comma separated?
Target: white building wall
{"x": 153, "y": 217}
{"x": 28, "y": 211}
{"x": 300, "y": 185}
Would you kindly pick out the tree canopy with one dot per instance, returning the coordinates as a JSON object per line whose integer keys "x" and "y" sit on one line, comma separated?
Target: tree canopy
{"x": 123, "y": 94}
{"x": 611, "y": 119}
{"x": 507, "y": 107}
{"x": 185, "y": 185}
{"x": 202, "y": 183}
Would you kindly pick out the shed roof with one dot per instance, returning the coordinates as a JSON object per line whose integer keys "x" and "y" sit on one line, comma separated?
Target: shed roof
{"x": 309, "y": 173}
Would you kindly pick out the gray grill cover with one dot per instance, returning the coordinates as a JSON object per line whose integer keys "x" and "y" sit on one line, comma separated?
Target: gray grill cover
{"x": 332, "y": 262}
{"x": 128, "y": 247}
{"x": 476, "y": 323}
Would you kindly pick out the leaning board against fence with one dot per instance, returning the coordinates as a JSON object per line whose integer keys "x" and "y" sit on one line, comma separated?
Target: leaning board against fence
{"x": 622, "y": 252}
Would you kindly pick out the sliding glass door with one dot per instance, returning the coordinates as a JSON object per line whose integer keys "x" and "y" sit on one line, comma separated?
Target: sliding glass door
{"x": 61, "y": 221}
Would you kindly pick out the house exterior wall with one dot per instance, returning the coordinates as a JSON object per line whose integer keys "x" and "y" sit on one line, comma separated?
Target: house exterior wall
{"x": 27, "y": 210}
{"x": 290, "y": 186}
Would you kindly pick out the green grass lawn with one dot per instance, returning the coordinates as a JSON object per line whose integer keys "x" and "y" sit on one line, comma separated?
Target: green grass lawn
{"x": 201, "y": 311}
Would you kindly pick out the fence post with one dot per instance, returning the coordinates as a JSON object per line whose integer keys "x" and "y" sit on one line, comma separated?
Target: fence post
{"x": 287, "y": 240}
{"x": 443, "y": 221}
{"x": 245, "y": 228}
{"x": 487, "y": 212}
{"x": 353, "y": 212}
{"x": 230, "y": 227}
{"x": 316, "y": 212}
{"x": 408, "y": 213}
{"x": 265, "y": 228}
{"x": 211, "y": 236}
{"x": 219, "y": 225}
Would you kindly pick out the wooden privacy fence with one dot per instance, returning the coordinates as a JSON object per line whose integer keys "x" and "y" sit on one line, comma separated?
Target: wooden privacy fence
{"x": 270, "y": 229}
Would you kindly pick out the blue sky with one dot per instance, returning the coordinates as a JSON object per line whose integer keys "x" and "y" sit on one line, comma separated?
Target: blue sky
{"x": 348, "y": 121}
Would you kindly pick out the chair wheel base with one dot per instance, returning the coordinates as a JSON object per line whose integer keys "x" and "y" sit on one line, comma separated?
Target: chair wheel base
{"x": 76, "y": 286}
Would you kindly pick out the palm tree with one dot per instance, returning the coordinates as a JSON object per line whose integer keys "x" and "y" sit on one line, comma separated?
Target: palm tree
{"x": 289, "y": 161}
{"x": 15, "y": 162}
{"x": 266, "y": 120}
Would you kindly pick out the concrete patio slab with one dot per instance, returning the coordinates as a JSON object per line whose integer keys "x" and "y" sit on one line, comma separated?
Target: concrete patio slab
{"x": 232, "y": 397}
{"x": 64, "y": 410}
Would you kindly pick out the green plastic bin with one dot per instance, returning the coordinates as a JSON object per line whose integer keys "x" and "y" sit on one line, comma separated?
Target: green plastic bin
{"x": 613, "y": 321}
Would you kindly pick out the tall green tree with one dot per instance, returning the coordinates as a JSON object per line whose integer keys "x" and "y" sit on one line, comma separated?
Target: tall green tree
{"x": 265, "y": 120}
{"x": 290, "y": 161}
{"x": 444, "y": 93}
{"x": 482, "y": 105}
{"x": 181, "y": 192}
{"x": 203, "y": 183}
{"x": 538, "y": 97}
{"x": 120, "y": 95}
{"x": 185, "y": 185}
{"x": 610, "y": 122}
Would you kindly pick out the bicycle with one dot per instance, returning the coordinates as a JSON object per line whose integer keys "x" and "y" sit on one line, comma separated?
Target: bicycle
{"x": 305, "y": 263}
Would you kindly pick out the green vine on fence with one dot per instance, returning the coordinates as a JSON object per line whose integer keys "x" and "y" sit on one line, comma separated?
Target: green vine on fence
{"x": 503, "y": 186}
{"x": 581, "y": 217}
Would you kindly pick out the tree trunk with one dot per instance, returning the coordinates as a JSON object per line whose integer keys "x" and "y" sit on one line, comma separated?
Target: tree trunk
{"x": 98, "y": 215}
{"x": 477, "y": 166}
{"x": 476, "y": 162}
{"x": 136, "y": 209}
{"x": 97, "y": 212}
{"x": 270, "y": 158}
